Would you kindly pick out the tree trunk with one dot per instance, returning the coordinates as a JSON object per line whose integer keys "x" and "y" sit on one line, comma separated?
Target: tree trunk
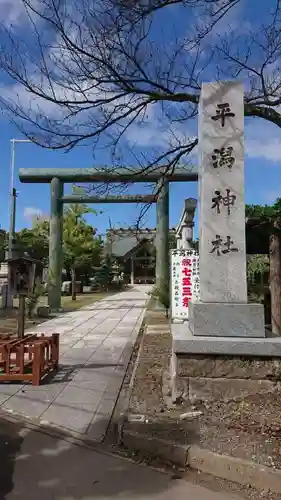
{"x": 21, "y": 316}
{"x": 275, "y": 280}
{"x": 73, "y": 283}
{"x": 68, "y": 274}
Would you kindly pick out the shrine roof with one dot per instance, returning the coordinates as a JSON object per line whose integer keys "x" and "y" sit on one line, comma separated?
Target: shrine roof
{"x": 123, "y": 246}
{"x": 124, "y": 241}
{"x": 126, "y": 245}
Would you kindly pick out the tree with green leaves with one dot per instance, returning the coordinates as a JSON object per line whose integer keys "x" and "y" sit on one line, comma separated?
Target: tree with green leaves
{"x": 105, "y": 273}
{"x": 35, "y": 242}
{"x": 267, "y": 218}
{"x": 257, "y": 266}
{"x": 80, "y": 246}
{"x": 265, "y": 213}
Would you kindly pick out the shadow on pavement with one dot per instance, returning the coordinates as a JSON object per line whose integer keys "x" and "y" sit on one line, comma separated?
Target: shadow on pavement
{"x": 38, "y": 466}
{"x": 10, "y": 444}
{"x": 66, "y": 373}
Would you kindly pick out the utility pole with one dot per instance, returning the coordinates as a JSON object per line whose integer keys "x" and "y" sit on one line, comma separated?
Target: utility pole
{"x": 13, "y": 196}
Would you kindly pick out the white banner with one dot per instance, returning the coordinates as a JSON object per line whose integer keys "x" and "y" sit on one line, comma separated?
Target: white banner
{"x": 185, "y": 281}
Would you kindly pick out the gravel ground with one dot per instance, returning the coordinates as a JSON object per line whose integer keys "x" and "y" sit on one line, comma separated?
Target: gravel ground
{"x": 220, "y": 485}
{"x": 249, "y": 428}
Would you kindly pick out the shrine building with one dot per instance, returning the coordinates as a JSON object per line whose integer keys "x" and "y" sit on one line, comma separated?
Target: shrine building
{"x": 135, "y": 252}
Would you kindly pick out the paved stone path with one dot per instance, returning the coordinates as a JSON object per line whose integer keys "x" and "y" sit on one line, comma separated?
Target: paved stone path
{"x": 95, "y": 347}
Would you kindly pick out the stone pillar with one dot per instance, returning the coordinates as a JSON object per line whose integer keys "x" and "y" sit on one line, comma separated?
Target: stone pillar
{"x": 162, "y": 237}
{"x": 55, "y": 245}
{"x": 223, "y": 310}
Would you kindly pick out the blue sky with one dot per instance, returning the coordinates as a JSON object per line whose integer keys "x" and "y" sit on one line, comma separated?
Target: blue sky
{"x": 262, "y": 162}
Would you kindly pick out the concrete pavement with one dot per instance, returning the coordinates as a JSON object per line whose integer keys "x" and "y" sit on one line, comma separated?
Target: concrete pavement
{"x": 96, "y": 343}
{"x": 38, "y": 466}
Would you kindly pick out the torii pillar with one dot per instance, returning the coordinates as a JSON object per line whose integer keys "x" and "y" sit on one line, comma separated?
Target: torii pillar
{"x": 162, "y": 237}
{"x": 55, "y": 245}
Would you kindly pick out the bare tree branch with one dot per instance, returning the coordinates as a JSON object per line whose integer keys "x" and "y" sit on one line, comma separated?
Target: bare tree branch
{"x": 101, "y": 72}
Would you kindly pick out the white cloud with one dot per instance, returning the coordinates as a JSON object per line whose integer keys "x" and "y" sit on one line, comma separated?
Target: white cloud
{"x": 152, "y": 135}
{"x": 32, "y": 212}
{"x": 145, "y": 135}
{"x": 262, "y": 140}
{"x": 232, "y": 21}
{"x": 157, "y": 131}
{"x": 17, "y": 94}
{"x": 58, "y": 60}
{"x": 18, "y": 97}
{"x": 13, "y": 12}
{"x": 269, "y": 149}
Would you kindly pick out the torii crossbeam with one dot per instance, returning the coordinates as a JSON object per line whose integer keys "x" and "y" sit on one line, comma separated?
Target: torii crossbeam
{"x": 58, "y": 177}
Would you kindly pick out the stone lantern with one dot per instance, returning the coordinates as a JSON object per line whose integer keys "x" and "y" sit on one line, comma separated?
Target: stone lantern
{"x": 185, "y": 227}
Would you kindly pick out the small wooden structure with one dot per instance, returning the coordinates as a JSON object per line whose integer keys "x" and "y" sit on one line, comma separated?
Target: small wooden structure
{"x": 22, "y": 275}
{"x": 29, "y": 359}
{"x": 23, "y": 269}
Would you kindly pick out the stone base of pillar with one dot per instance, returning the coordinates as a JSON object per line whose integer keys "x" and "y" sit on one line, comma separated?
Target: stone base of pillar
{"x": 185, "y": 342}
{"x": 205, "y": 378}
{"x": 222, "y": 368}
{"x": 226, "y": 319}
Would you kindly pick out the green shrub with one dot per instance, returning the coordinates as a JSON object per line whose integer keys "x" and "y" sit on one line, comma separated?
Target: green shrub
{"x": 33, "y": 298}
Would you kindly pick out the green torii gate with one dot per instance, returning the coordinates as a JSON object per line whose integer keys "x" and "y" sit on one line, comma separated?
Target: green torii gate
{"x": 58, "y": 177}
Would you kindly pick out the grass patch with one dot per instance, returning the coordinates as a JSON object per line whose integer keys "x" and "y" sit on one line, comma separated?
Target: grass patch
{"x": 81, "y": 301}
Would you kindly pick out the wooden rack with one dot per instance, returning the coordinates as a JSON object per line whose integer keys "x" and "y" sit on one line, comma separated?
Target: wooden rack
{"x": 29, "y": 359}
